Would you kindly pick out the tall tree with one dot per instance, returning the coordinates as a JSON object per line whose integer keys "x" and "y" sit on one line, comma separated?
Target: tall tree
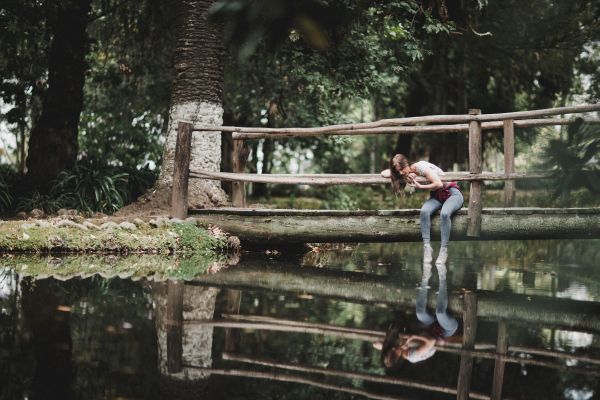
{"x": 196, "y": 96}
{"x": 53, "y": 143}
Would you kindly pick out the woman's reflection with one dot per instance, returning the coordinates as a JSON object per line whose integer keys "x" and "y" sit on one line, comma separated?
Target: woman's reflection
{"x": 435, "y": 330}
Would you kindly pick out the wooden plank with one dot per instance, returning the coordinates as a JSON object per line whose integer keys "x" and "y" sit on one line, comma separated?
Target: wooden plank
{"x": 238, "y": 189}
{"x": 475, "y": 167}
{"x": 499, "y": 364}
{"x": 509, "y": 161}
{"x": 355, "y": 179}
{"x": 388, "y": 130}
{"x": 266, "y": 227}
{"x": 410, "y": 121}
{"x": 175, "y": 326}
{"x": 179, "y": 190}
{"x": 469, "y": 333}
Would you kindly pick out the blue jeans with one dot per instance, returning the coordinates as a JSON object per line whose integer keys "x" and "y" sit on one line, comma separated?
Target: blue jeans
{"x": 449, "y": 207}
{"x": 448, "y": 323}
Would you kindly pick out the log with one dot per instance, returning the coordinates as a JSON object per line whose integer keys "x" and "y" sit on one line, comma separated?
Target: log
{"x": 475, "y": 167}
{"x": 364, "y": 288}
{"x": 175, "y": 326}
{"x": 509, "y": 161}
{"x": 356, "y": 179}
{"x": 501, "y": 349}
{"x": 179, "y": 190}
{"x": 409, "y": 121}
{"x": 269, "y": 227}
{"x": 465, "y": 371}
{"x": 238, "y": 189}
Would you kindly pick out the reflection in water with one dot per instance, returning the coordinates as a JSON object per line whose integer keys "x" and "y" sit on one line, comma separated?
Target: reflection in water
{"x": 436, "y": 330}
{"x": 300, "y": 333}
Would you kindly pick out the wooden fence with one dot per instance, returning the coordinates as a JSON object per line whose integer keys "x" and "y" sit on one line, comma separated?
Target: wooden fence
{"x": 474, "y": 123}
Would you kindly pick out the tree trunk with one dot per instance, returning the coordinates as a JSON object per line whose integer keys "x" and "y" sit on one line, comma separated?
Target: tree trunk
{"x": 196, "y": 96}
{"x": 55, "y": 132}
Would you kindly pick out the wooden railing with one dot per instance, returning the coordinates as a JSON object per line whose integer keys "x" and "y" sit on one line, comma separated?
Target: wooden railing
{"x": 474, "y": 123}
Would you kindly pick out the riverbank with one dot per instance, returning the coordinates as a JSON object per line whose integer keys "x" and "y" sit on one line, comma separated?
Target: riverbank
{"x": 75, "y": 234}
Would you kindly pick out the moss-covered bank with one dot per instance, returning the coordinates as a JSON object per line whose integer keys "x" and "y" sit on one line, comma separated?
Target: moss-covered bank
{"x": 144, "y": 266}
{"x": 67, "y": 236}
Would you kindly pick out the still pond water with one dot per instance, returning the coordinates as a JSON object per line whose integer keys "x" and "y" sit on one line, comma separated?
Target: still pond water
{"x": 306, "y": 327}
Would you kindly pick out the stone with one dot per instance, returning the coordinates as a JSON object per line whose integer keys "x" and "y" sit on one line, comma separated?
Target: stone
{"x": 90, "y": 225}
{"x": 128, "y": 226}
{"x": 22, "y": 215}
{"x": 56, "y": 241}
{"x": 27, "y": 226}
{"x": 190, "y": 220}
{"x": 71, "y": 224}
{"x": 139, "y": 222}
{"x": 43, "y": 223}
{"x": 109, "y": 225}
{"x": 37, "y": 213}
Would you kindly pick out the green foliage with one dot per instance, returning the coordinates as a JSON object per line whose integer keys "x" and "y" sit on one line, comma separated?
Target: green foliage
{"x": 573, "y": 159}
{"x": 90, "y": 189}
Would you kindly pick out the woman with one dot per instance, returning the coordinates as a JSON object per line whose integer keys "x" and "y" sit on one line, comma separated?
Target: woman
{"x": 446, "y": 197}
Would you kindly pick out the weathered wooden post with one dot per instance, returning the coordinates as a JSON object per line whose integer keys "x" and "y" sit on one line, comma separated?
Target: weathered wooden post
{"x": 501, "y": 349}
{"x": 181, "y": 170}
{"x": 239, "y": 153}
{"x": 466, "y": 359}
{"x": 509, "y": 161}
{"x": 175, "y": 326}
{"x": 475, "y": 167}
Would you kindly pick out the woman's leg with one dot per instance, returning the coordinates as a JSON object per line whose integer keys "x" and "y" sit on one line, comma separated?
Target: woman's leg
{"x": 429, "y": 207}
{"x": 451, "y": 205}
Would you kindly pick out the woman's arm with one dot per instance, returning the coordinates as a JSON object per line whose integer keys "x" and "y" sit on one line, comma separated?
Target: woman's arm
{"x": 436, "y": 182}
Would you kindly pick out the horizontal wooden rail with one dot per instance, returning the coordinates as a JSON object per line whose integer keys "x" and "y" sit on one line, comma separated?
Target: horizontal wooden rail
{"x": 355, "y": 179}
{"x": 392, "y": 380}
{"x": 387, "y": 130}
{"x": 394, "y": 122}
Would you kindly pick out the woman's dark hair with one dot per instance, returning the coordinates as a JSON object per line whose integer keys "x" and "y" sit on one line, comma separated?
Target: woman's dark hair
{"x": 397, "y": 164}
{"x": 388, "y": 355}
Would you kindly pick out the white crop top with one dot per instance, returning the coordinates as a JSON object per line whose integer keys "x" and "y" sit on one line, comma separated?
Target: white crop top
{"x": 422, "y": 166}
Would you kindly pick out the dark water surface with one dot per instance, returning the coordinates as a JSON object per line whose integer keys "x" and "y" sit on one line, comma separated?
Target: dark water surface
{"x": 303, "y": 327}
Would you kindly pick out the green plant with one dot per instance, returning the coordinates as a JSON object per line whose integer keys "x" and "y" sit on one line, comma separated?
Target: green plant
{"x": 572, "y": 159}
{"x": 92, "y": 189}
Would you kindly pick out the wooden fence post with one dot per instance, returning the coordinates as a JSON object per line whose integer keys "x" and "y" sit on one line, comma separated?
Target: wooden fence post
{"x": 509, "y": 161}
{"x": 469, "y": 332}
{"x": 475, "y": 167}
{"x": 175, "y": 326}
{"x": 239, "y": 153}
{"x": 502, "y": 349}
{"x": 181, "y": 170}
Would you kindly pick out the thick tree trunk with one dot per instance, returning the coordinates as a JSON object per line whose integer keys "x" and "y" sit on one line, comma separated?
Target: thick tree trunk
{"x": 53, "y": 142}
{"x": 196, "y": 96}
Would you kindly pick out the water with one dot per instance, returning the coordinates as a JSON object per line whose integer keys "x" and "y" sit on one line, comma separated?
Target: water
{"x": 302, "y": 327}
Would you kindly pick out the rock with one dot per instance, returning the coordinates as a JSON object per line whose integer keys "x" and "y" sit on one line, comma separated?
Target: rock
{"x": 90, "y": 225}
{"x": 64, "y": 212}
{"x": 191, "y": 221}
{"x": 22, "y": 215}
{"x": 176, "y": 221}
{"x": 100, "y": 215}
{"x": 71, "y": 224}
{"x": 27, "y": 226}
{"x": 109, "y": 225}
{"x": 233, "y": 243}
{"x": 128, "y": 226}
{"x": 43, "y": 223}
{"x": 158, "y": 222}
{"x": 77, "y": 218}
{"x": 37, "y": 213}
{"x": 56, "y": 241}
{"x": 139, "y": 222}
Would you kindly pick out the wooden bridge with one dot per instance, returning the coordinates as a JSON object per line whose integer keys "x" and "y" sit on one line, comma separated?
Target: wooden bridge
{"x": 289, "y": 226}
